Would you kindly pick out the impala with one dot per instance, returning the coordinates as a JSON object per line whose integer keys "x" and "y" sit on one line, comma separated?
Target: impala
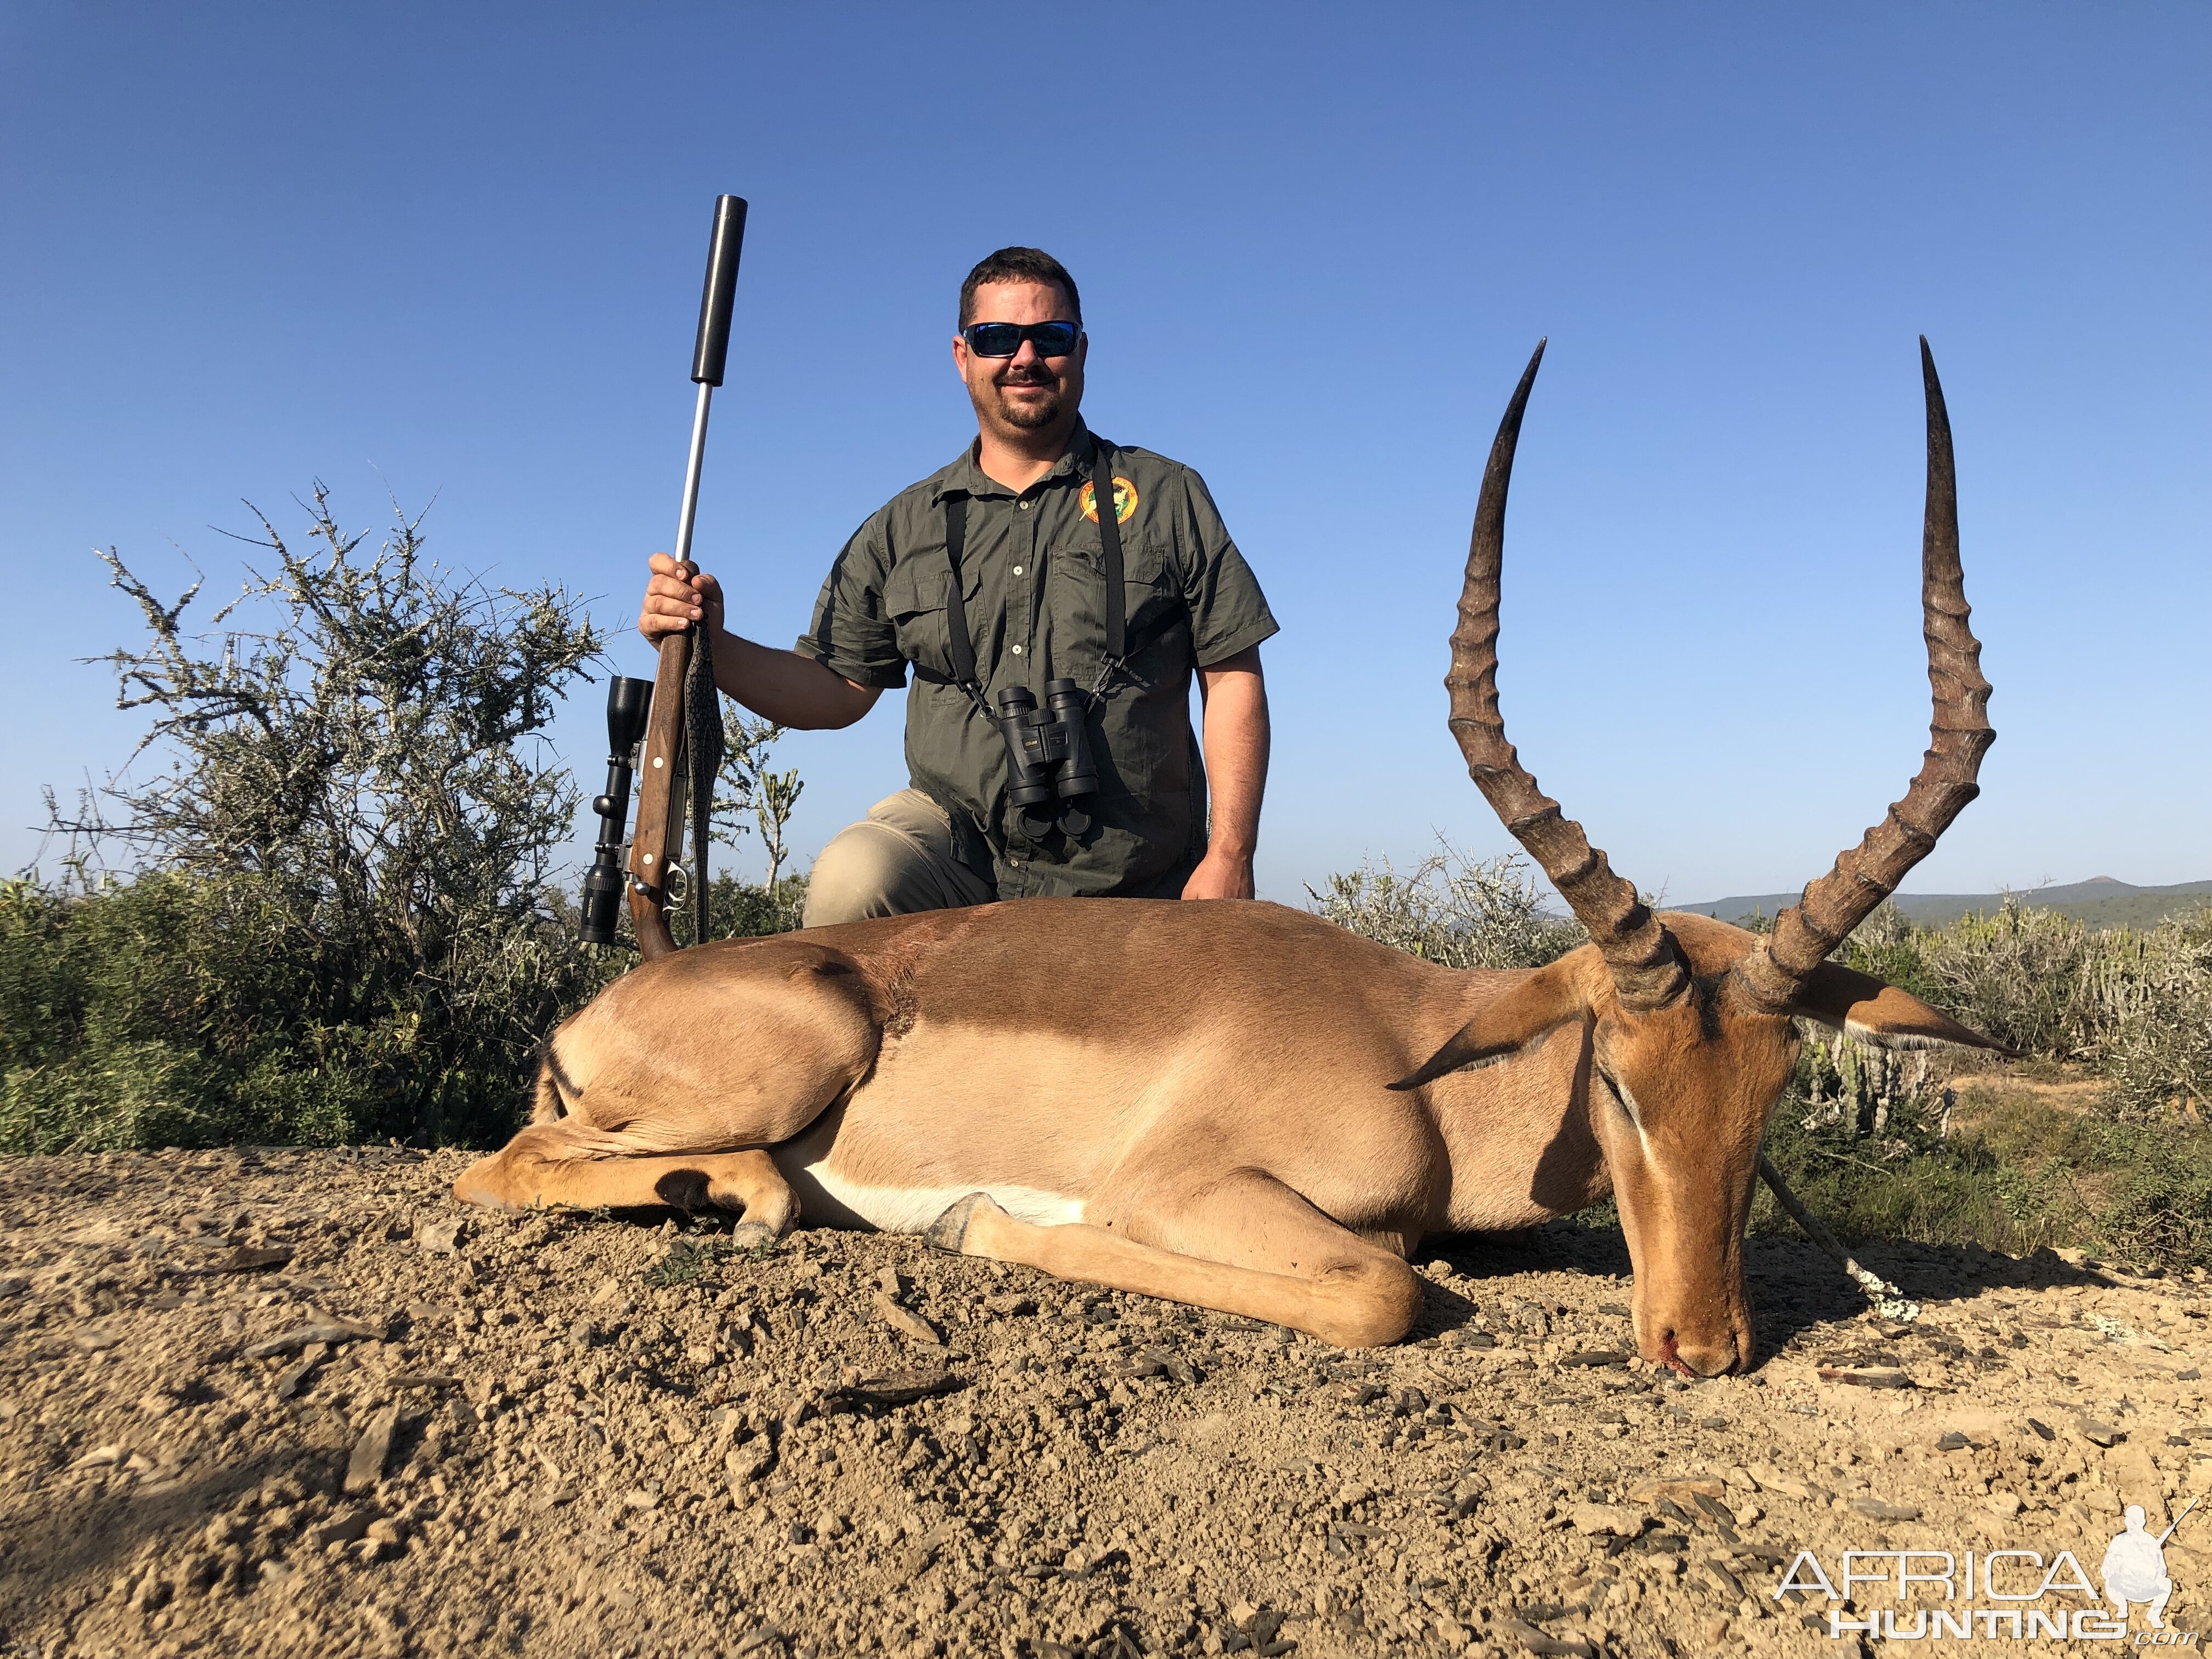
{"x": 1244, "y": 1107}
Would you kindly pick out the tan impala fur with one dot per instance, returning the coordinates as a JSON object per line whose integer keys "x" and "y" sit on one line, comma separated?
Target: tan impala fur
{"x": 1230, "y": 1104}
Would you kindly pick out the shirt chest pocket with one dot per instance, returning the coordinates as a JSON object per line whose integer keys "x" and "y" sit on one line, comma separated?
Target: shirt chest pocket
{"x": 1150, "y": 595}
{"x": 915, "y": 601}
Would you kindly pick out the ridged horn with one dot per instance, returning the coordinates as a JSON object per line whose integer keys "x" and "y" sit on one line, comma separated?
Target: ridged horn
{"x": 1959, "y": 734}
{"x": 1647, "y": 969}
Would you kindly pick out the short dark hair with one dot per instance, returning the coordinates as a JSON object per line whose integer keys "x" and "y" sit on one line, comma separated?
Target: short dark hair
{"x": 1018, "y": 265}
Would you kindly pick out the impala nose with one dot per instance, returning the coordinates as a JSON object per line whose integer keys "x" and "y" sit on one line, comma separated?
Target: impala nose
{"x": 1697, "y": 1359}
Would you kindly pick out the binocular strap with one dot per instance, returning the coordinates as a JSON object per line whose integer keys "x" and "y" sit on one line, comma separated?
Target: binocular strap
{"x": 963, "y": 645}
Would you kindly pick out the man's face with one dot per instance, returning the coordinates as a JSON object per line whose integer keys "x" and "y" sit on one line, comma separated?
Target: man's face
{"x": 1021, "y": 393}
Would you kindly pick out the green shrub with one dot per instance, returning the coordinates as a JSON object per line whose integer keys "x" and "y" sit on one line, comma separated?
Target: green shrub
{"x": 1454, "y": 909}
{"x": 339, "y": 916}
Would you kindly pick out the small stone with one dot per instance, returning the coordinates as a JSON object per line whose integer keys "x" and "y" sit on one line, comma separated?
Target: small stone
{"x": 1682, "y": 1489}
{"x": 441, "y": 1237}
{"x": 1536, "y": 1641}
{"x": 1595, "y": 1356}
{"x": 890, "y": 1282}
{"x": 1867, "y": 1377}
{"x": 288, "y": 1382}
{"x": 346, "y": 1527}
{"x": 895, "y": 1388}
{"x": 1010, "y": 1305}
{"x": 2005, "y": 1505}
{"x": 1605, "y": 1521}
{"x": 247, "y": 1259}
{"x": 639, "y": 1498}
{"x": 1166, "y": 1360}
{"x": 389, "y": 1531}
{"x": 1874, "y": 1510}
{"x": 97, "y": 1338}
{"x": 1953, "y": 1442}
{"x": 2099, "y": 1434}
{"x": 327, "y": 1330}
{"x": 1716, "y": 1628}
{"x": 906, "y": 1322}
{"x": 750, "y": 1461}
{"x": 370, "y": 1453}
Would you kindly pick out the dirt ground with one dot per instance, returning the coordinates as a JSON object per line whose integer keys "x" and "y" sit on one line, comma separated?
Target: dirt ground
{"x": 267, "y": 1403}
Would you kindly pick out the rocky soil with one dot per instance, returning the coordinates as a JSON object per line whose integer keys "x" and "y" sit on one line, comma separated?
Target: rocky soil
{"x": 276, "y": 1402}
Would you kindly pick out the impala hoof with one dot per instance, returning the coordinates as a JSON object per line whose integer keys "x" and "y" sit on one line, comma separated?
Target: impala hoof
{"x": 949, "y": 1230}
{"x": 753, "y": 1236}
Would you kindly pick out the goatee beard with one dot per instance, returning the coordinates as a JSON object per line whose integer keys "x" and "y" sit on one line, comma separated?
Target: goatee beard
{"x": 1028, "y": 416}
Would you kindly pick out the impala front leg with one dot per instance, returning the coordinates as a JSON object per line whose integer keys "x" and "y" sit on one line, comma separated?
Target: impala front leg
{"x": 1244, "y": 1244}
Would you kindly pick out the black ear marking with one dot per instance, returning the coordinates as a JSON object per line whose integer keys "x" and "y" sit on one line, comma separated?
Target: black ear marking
{"x": 1459, "y": 1054}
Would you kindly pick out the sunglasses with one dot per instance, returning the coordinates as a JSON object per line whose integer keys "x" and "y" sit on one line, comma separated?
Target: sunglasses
{"x": 1005, "y": 339}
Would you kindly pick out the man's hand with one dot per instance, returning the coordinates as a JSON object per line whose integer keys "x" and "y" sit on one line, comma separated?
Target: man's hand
{"x": 672, "y": 605}
{"x": 1236, "y": 738}
{"x": 1220, "y": 875}
{"x": 778, "y": 685}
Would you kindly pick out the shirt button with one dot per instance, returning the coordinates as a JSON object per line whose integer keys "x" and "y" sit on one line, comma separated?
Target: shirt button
{"x": 1018, "y": 651}
{"x": 1027, "y": 505}
{"x": 1017, "y": 570}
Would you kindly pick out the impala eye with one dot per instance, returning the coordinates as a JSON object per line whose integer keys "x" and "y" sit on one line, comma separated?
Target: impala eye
{"x": 1623, "y": 1099}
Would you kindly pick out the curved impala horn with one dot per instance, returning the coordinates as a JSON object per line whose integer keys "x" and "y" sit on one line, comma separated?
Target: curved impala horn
{"x": 1959, "y": 734}
{"x": 1647, "y": 969}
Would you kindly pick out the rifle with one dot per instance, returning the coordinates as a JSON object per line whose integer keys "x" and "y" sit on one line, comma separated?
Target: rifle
{"x": 674, "y": 735}
{"x": 2178, "y": 1519}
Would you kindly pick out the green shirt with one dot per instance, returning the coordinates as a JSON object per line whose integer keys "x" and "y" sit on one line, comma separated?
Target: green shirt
{"x": 1031, "y": 582}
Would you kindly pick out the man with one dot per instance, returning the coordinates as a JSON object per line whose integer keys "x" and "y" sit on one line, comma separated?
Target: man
{"x": 1018, "y": 517}
{"x": 2135, "y": 1569}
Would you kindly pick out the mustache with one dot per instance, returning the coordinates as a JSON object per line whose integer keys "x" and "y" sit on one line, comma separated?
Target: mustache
{"x": 1038, "y": 376}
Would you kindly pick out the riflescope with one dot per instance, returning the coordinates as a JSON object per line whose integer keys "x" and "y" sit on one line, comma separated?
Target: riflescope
{"x": 1049, "y": 756}
{"x": 629, "y": 702}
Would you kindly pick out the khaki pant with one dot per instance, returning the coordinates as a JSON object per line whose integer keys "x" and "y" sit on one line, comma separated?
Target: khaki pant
{"x": 896, "y": 860}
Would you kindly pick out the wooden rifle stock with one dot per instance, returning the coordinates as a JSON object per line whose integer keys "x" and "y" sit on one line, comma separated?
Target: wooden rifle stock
{"x": 660, "y": 823}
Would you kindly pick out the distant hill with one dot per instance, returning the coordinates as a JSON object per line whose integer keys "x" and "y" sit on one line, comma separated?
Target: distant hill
{"x": 2100, "y": 901}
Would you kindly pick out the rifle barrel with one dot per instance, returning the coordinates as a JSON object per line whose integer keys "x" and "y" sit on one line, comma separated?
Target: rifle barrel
{"x": 690, "y": 509}
{"x": 2178, "y": 1519}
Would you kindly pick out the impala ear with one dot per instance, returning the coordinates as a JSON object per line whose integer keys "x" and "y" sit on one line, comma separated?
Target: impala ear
{"x": 1547, "y": 999}
{"x": 1859, "y": 1004}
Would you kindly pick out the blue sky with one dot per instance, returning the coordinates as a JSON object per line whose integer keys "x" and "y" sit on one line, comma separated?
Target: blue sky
{"x": 454, "y": 251}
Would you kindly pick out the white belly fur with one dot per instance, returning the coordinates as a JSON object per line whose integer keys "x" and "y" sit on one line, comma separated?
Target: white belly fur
{"x": 911, "y": 1209}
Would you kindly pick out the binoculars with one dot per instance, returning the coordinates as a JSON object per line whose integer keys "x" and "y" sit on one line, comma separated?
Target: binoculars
{"x": 629, "y": 702}
{"x": 1049, "y": 757}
